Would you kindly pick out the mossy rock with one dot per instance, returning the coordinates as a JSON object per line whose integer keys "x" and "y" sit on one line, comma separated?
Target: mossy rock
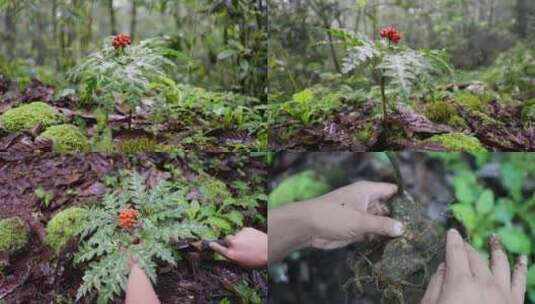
{"x": 298, "y": 187}
{"x": 364, "y": 134}
{"x": 28, "y": 115}
{"x": 474, "y": 102}
{"x": 458, "y": 142}
{"x": 13, "y": 235}
{"x": 66, "y": 138}
{"x": 63, "y": 226}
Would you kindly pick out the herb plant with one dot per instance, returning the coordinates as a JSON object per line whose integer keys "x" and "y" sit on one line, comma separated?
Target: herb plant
{"x": 397, "y": 69}
{"x": 132, "y": 221}
{"x": 121, "y": 72}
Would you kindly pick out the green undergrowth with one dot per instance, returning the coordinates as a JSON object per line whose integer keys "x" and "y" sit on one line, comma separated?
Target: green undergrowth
{"x": 483, "y": 211}
{"x": 298, "y": 187}
{"x": 474, "y": 102}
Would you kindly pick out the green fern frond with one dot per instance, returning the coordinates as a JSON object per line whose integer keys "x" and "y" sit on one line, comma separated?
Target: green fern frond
{"x": 359, "y": 55}
{"x": 404, "y": 69}
{"x": 107, "y": 246}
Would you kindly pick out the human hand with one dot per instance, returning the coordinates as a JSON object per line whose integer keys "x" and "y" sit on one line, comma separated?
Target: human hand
{"x": 248, "y": 248}
{"x": 466, "y": 278}
{"x": 351, "y": 214}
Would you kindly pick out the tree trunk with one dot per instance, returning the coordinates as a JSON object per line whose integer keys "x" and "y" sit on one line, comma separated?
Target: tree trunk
{"x": 11, "y": 31}
{"x": 113, "y": 24}
{"x": 521, "y": 17}
{"x": 55, "y": 32}
{"x": 133, "y": 20}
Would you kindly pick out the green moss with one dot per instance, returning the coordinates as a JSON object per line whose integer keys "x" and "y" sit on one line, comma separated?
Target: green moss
{"x": 365, "y": 133}
{"x": 298, "y": 187}
{"x": 137, "y": 145}
{"x": 13, "y": 234}
{"x": 63, "y": 226}
{"x": 67, "y": 138}
{"x": 29, "y": 115}
{"x": 474, "y": 102}
{"x": 458, "y": 142}
{"x": 528, "y": 111}
{"x": 440, "y": 112}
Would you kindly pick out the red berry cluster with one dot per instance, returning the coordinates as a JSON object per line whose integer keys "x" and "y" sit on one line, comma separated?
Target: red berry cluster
{"x": 120, "y": 41}
{"x": 392, "y": 34}
{"x": 128, "y": 218}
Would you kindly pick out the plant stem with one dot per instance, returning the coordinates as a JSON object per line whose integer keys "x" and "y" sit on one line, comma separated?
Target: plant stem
{"x": 130, "y": 119}
{"x": 383, "y": 97}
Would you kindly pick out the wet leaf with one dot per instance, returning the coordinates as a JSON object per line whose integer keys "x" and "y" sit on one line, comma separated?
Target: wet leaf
{"x": 485, "y": 202}
{"x": 515, "y": 240}
{"x": 465, "y": 214}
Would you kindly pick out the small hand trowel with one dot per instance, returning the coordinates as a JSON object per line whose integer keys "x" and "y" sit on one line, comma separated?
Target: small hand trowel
{"x": 198, "y": 246}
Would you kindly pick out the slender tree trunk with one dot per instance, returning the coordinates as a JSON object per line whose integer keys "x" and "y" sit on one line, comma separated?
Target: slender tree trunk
{"x": 55, "y": 32}
{"x": 333, "y": 50}
{"x": 11, "y": 31}
{"x": 113, "y": 24}
{"x": 133, "y": 20}
{"x": 38, "y": 41}
{"x": 522, "y": 20}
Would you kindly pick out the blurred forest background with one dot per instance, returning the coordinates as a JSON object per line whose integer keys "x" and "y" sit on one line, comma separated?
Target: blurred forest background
{"x": 473, "y": 32}
{"x": 220, "y": 44}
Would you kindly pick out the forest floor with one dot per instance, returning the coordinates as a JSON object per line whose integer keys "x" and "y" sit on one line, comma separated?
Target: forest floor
{"x": 37, "y": 275}
{"x": 468, "y": 117}
{"x": 199, "y": 127}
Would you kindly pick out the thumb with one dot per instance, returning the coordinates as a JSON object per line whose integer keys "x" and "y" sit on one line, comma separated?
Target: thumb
{"x": 381, "y": 225}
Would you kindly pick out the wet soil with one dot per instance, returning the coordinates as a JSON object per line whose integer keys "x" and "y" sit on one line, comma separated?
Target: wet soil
{"x": 406, "y": 130}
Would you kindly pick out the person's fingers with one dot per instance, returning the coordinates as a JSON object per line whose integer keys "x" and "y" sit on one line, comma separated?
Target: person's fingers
{"x": 519, "y": 278}
{"x": 381, "y": 191}
{"x": 381, "y": 225}
{"x": 456, "y": 257}
{"x": 480, "y": 268}
{"x": 432, "y": 292}
{"x": 499, "y": 263}
{"x": 378, "y": 208}
{"x": 222, "y": 250}
{"x": 230, "y": 239}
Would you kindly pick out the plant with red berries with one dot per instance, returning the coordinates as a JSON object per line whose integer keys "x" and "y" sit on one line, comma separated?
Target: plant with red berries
{"x": 135, "y": 221}
{"x": 128, "y": 218}
{"x": 392, "y": 34}
{"x": 121, "y": 73}
{"x": 121, "y": 41}
{"x": 389, "y": 63}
